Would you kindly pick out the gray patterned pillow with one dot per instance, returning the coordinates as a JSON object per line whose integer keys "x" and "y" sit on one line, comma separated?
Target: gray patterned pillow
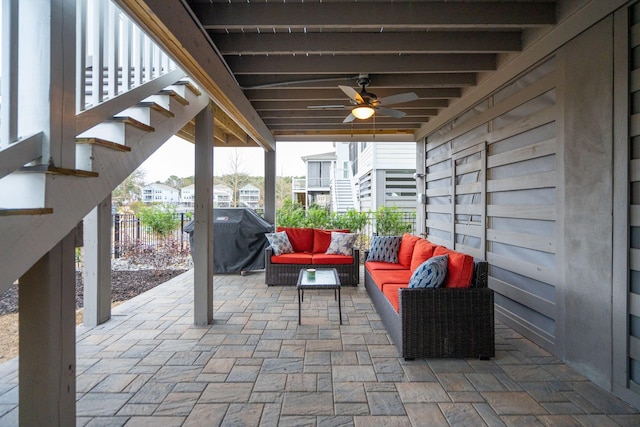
{"x": 280, "y": 243}
{"x": 431, "y": 273}
{"x": 384, "y": 248}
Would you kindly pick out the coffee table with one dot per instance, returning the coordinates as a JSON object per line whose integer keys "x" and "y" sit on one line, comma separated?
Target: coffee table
{"x": 325, "y": 278}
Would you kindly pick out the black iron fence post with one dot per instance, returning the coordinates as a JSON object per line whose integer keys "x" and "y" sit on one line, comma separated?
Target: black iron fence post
{"x": 116, "y": 236}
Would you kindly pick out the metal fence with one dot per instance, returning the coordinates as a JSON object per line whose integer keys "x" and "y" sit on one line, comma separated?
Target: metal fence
{"x": 127, "y": 230}
{"x": 406, "y": 222}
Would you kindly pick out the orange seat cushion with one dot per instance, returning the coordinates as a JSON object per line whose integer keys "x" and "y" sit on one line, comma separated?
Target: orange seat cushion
{"x": 392, "y": 292}
{"x": 459, "y": 269}
{"x": 294, "y": 258}
{"x": 382, "y": 277}
{"x": 301, "y": 238}
{"x": 407, "y": 244}
{"x": 379, "y": 265}
{"x": 422, "y": 251}
{"x": 331, "y": 259}
{"x": 322, "y": 240}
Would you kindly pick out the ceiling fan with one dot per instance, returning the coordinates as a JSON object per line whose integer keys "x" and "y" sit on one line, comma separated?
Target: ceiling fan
{"x": 365, "y": 104}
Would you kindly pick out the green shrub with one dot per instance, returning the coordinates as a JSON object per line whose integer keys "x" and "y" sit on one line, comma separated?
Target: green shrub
{"x": 160, "y": 219}
{"x": 291, "y": 214}
{"x": 390, "y": 221}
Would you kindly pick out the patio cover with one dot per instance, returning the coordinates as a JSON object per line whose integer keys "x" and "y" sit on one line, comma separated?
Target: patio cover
{"x": 238, "y": 239}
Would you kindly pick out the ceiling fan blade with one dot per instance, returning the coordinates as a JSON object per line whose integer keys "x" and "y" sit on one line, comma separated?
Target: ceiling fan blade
{"x": 329, "y": 106}
{"x": 351, "y": 93}
{"x": 398, "y": 99}
{"x": 391, "y": 112}
{"x": 349, "y": 118}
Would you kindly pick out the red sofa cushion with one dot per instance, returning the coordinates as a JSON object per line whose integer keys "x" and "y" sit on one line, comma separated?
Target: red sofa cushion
{"x": 301, "y": 238}
{"x": 392, "y": 292}
{"x": 379, "y": 265}
{"x": 322, "y": 240}
{"x": 422, "y": 251}
{"x": 405, "y": 252}
{"x": 294, "y": 258}
{"x": 383, "y": 277}
{"x": 459, "y": 269}
{"x": 320, "y": 259}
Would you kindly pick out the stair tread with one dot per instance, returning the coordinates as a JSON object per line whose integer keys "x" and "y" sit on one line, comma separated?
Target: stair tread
{"x": 181, "y": 99}
{"x": 25, "y": 211}
{"x": 103, "y": 143}
{"x": 59, "y": 171}
{"x": 157, "y": 107}
{"x": 133, "y": 122}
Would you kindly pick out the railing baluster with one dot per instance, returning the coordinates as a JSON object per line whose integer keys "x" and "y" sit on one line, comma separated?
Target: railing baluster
{"x": 81, "y": 55}
{"x": 9, "y": 88}
{"x": 113, "y": 37}
{"x": 127, "y": 43}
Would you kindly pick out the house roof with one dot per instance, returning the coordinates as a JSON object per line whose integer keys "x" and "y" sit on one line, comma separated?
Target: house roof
{"x": 159, "y": 186}
{"x": 322, "y": 156}
{"x": 250, "y": 187}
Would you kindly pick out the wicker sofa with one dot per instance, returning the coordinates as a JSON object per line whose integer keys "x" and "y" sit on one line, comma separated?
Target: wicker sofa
{"x": 434, "y": 323}
{"x": 309, "y": 246}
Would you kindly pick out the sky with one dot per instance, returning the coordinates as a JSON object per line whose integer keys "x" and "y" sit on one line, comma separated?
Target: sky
{"x": 175, "y": 157}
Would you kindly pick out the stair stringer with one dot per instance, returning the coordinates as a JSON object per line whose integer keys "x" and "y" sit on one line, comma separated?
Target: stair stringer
{"x": 26, "y": 238}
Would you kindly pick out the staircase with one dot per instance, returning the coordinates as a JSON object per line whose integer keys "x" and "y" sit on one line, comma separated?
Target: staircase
{"x": 41, "y": 201}
{"x": 342, "y": 197}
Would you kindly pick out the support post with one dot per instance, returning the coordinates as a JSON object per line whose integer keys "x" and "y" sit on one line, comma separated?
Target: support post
{"x": 47, "y": 84}
{"x": 47, "y": 334}
{"x": 270, "y": 186}
{"x": 97, "y": 264}
{"x": 421, "y": 179}
{"x": 203, "y": 217}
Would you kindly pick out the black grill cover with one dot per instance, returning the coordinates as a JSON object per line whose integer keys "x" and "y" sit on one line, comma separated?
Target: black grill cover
{"x": 238, "y": 239}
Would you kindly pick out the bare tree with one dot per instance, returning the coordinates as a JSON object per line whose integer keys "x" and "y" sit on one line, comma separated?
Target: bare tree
{"x": 234, "y": 175}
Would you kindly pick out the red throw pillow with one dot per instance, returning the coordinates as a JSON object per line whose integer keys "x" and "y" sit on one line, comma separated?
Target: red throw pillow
{"x": 459, "y": 269}
{"x": 301, "y": 238}
{"x": 322, "y": 240}
{"x": 422, "y": 251}
{"x": 407, "y": 244}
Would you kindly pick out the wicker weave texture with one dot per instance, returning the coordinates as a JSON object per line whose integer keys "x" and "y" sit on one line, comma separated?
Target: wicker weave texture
{"x": 439, "y": 323}
{"x": 447, "y": 323}
{"x": 287, "y": 274}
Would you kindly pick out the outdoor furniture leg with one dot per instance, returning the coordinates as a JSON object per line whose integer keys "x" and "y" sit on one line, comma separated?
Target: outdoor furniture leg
{"x": 299, "y": 309}
{"x": 339, "y": 306}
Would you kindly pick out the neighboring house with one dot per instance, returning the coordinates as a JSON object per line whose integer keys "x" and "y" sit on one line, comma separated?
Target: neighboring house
{"x": 249, "y": 196}
{"x": 160, "y": 193}
{"x": 383, "y": 174}
{"x": 222, "y": 196}
{"x": 318, "y": 186}
{"x": 187, "y": 196}
{"x": 361, "y": 176}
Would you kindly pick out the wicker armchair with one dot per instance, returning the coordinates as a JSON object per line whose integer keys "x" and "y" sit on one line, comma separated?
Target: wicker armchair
{"x": 438, "y": 323}
{"x": 287, "y": 274}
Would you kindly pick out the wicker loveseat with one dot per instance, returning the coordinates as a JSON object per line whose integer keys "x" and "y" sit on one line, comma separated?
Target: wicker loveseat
{"x": 433, "y": 323}
{"x": 309, "y": 245}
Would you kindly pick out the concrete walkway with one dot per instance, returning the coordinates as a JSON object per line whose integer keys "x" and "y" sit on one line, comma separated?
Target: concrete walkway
{"x": 149, "y": 366}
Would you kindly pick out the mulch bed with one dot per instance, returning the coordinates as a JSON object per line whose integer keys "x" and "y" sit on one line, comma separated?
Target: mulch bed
{"x": 124, "y": 285}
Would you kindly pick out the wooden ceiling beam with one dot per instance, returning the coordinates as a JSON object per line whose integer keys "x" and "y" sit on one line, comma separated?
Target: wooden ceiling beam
{"x": 317, "y": 113}
{"x": 370, "y": 43}
{"x": 398, "y": 81}
{"x": 354, "y": 64}
{"x": 337, "y": 95}
{"x": 303, "y": 105}
{"x": 353, "y": 15}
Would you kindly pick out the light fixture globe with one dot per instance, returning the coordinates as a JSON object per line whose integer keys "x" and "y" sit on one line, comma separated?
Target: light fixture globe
{"x": 362, "y": 112}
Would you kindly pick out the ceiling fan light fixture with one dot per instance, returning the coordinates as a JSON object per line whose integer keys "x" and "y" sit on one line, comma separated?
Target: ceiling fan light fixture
{"x": 362, "y": 112}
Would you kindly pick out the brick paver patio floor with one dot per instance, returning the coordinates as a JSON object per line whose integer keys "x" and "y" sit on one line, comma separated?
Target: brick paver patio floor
{"x": 150, "y": 366}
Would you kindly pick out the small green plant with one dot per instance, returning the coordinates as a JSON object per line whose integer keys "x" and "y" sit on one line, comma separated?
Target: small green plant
{"x": 390, "y": 222}
{"x": 291, "y": 214}
{"x": 160, "y": 219}
{"x": 351, "y": 220}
